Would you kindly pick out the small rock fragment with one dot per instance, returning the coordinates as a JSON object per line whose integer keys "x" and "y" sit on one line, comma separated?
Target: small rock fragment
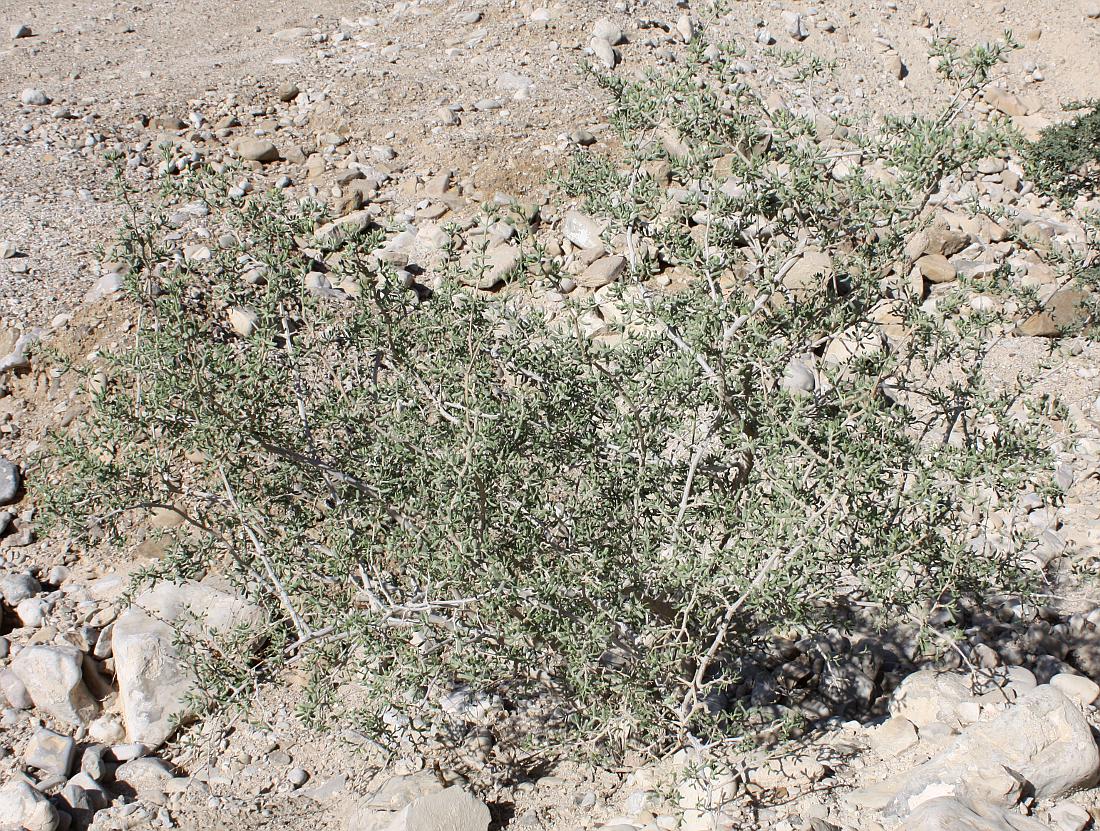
{"x": 795, "y": 25}
{"x": 1004, "y": 101}
{"x": 256, "y": 150}
{"x": 936, "y": 268}
{"x": 1069, "y": 817}
{"x": 1076, "y": 687}
{"x": 10, "y": 482}
{"x": 607, "y": 30}
{"x": 243, "y": 320}
{"x": 34, "y": 97}
{"x": 582, "y": 230}
{"x": 50, "y": 752}
{"x": 145, "y": 774}
{"x": 22, "y": 806}
{"x": 53, "y": 677}
{"x": 603, "y": 271}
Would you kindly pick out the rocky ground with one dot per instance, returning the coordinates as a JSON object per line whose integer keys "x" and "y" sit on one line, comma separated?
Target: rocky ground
{"x": 422, "y": 111}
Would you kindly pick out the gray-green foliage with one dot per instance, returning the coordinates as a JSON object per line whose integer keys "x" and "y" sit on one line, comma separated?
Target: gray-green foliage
{"x": 1065, "y": 159}
{"x": 459, "y": 491}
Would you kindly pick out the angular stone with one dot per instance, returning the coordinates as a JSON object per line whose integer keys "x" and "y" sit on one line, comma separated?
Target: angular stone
{"x": 936, "y": 239}
{"x": 1069, "y": 817}
{"x": 1065, "y": 310}
{"x": 50, "y": 752}
{"x": 936, "y": 268}
{"x": 810, "y": 274}
{"x": 53, "y": 677}
{"x": 95, "y": 792}
{"x": 153, "y": 679}
{"x": 944, "y": 814}
{"x": 349, "y": 225}
{"x": 256, "y": 150}
{"x": 449, "y": 810}
{"x": 10, "y": 482}
{"x": 602, "y": 272}
{"x": 145, "y": 774}
{"x": 1004, "y": 101}
{"x": 894, "y": 736}
{"x": 15, "y": 588}
{"x": 21, "y": 806}
{"x": 1043, "y": 740}
{"x": 243, "y": 320}
{"x": 582, "y": 230}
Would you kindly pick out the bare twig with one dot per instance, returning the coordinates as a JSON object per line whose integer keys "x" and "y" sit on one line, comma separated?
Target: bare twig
{"x": 300, "y": 626}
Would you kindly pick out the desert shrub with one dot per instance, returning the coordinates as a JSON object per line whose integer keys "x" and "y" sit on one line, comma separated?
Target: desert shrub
{"x": 463, "y": 507}
{"x": 1065, "y": 159}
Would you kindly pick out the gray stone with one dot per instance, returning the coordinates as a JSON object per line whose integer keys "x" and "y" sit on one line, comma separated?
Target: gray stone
{"x": 53, "y": 677}
{"x": 10, "y": 482}
{"x": 21, "y": 806}
{"x": 1042, "y": 740}
{"x": 602, "y": 272}
{"x": 93, "y": 763}
{"x": 1069, "y": 817}
{"x": 449, "y": 810}
{"x": 95, "y": 792}
{"x": 15, "y": 588}
{"x": 32, "y": 612}
{"x": 129, "y": 751}
{"x": 607, "y": 30}
{"x": 798, "y": 377}
{"x": 581, "y": 230}
{"x": 145, "y": 774}
{"x": 109, "y": 285}
{"x": 603, "y": 51}
{"x": 795, "y": 25}
{"x": 256, "y": 150}
{"x": 243, "y": 320}
{"x": 20, "y": 30}
{"x": 34, "y": 97}
{"x": 14, "y": 690}
{"x": 490, "y": 269}
{"x": 50, "y": 752}
{"x": 297, "y": 777}
{"x": 153, "y": 680}
{"x": 1076, "y": 687}
{"x": 944, "y": 814}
